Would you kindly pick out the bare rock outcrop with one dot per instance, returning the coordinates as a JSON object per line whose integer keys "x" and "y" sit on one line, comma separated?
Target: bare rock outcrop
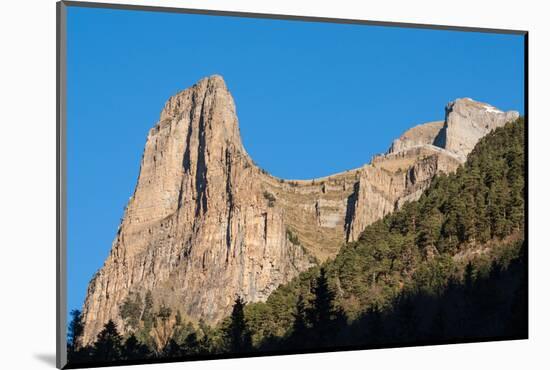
{"x": 466, "y": 121}
{"x": 417, "y": 136}
{"x": 205, "y": 224}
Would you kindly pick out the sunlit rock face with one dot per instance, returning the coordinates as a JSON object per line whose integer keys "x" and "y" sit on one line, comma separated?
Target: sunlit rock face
{"x": 466, "y": 121}
{"x": 206, "y": 225}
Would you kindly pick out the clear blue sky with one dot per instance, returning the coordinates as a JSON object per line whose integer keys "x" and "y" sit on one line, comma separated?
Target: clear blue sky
{"x": 312, "y": 98}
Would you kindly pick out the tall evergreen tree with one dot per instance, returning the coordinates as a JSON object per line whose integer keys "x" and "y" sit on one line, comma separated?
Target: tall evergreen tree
{"x": 76, "y": 328}
{"x": 238, "y": 335}
{"x": 322, "y": 314}
{"x": 322, "y": 310}
{"x": 172, "y": 349}
{"x": 108, "y": 346}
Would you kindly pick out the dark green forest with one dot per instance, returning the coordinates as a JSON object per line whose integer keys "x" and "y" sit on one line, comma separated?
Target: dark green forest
{"x": 449, "y": 267}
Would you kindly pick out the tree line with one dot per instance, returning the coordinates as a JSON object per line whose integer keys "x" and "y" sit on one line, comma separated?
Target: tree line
{"x": 484, "y": 304}
{"x": 183, "y": 340}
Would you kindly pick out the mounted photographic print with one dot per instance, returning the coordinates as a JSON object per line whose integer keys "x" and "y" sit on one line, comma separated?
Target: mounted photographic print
{"x": 235, "y": 185}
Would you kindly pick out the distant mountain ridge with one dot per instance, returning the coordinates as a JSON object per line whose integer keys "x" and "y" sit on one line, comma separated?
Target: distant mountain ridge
{"x": 205, "y": 224}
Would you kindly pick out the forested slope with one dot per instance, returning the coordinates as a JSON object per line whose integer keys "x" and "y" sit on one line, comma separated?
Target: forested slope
{"x": 475, "y": 214}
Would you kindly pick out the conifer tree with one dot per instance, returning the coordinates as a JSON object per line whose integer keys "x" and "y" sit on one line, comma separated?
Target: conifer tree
{"x": 322, "y": 310}
{"x": 108, "y": 346}
{"x": 76, "y": 328}
{"x": 238, "y": 335}
{"x": 322, "y": 314}
{"x": 172, "y": 349}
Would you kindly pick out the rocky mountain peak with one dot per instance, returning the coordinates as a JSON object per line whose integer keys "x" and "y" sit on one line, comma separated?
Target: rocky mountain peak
{"x": 466, "y": 121}
{"x": 210, "y": 100}
{"x": 207, "y": 85}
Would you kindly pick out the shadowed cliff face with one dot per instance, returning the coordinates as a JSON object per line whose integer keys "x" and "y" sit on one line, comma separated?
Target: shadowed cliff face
{"x": 205, "y": 224}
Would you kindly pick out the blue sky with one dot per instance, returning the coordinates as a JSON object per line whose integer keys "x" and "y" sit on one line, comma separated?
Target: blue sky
{"x": 312, "y": 98}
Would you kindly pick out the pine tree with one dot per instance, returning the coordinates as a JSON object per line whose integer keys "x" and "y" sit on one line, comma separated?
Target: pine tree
{"x": 108, "y": 346}
{"x": 76, "y": 328}
{"x": 322, "y": 310}
{"x": 172, "y": 349}
{"x": 238, "y": 335}
{"x": 322, "y": 315}
{"x": 429, "y": 230}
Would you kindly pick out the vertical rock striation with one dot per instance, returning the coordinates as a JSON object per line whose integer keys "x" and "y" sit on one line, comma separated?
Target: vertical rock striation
{"x": 205, "y": 224}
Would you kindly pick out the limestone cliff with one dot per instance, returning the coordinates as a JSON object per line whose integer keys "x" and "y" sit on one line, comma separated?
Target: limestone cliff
{"x": 205, "y": 224}
{"x": 466, "y": 121}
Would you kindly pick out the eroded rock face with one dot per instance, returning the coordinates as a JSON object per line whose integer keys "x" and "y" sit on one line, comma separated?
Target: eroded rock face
{"x": 417, "y": 136}
{"x": 466, "y": 121}
{"x": 205, "y": 224}
{"x": 393, "y": 179}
